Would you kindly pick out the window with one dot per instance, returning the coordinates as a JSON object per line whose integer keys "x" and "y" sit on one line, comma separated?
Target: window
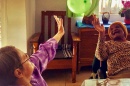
{"x": 111, "y": 6}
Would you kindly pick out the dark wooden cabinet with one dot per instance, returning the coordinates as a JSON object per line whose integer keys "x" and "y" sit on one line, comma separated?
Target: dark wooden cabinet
{"x": 86, "y": 47}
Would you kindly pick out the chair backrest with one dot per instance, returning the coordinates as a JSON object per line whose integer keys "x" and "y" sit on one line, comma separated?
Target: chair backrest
{"x": 49, "y": 26}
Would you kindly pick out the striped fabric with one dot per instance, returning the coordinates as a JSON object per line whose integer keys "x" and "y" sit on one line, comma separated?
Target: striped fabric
{"x": 67, "y": 53}
{"x": 66, "y": 46}
{"x": 66, "y": 49}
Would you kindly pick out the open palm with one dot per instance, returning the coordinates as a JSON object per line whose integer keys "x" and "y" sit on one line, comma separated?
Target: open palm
{"x": 99, "y": 27}
{"x": 59, "y": 24}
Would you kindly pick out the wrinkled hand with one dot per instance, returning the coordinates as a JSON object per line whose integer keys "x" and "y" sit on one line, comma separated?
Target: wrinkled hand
{"x": 99, "y": 27}
{"x": 60, "y": 25}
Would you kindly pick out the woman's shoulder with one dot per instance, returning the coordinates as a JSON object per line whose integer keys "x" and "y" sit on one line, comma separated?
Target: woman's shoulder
{"x": 116, "y": 43}
{"x": 110, "y": 41}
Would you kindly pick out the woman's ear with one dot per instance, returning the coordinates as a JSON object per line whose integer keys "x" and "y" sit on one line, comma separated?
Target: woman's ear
{"x": 18, "y": 73}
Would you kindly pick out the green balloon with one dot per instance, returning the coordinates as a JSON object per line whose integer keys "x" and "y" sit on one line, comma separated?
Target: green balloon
{"x": 78, "y": 6}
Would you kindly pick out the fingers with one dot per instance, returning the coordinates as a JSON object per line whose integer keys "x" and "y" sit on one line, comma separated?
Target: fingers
{"x": 61, "y": 20}
{"x": 98, "y": 21}
{"x": 56, "y": 18}
{"x": 95, "y": 21}
{"x": 103, "y": 28}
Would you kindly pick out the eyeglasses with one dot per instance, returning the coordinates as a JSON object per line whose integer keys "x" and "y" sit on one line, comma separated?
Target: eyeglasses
{"x": 28, "y": 58}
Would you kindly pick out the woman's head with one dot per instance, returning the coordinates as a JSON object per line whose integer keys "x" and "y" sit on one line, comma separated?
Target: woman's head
{"x": 9, "y": 60}
{"x": 117, "y": 30}
{"x": 13, "y": 64}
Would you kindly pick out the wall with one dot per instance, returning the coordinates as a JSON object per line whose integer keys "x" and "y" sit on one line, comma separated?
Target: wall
{"x": 43, "y": 5}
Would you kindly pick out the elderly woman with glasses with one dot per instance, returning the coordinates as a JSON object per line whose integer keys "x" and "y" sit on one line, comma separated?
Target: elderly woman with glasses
{"x": 115, "y": 51}
{"x": 18, "y": 69}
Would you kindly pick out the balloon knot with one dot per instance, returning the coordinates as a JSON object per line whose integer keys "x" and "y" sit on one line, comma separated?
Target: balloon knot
{"x": 85, "y": 1}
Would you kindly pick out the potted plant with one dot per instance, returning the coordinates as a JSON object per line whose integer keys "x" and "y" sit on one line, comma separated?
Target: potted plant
{"x": 125, "y": 11}
{"x": 121, "y": 12}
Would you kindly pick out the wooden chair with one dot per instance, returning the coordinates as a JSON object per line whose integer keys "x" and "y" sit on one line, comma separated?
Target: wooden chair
{"x": 48, "y": 29}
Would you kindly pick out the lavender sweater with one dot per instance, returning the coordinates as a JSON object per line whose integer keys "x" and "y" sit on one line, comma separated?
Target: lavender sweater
{"x": 40, "y": 59}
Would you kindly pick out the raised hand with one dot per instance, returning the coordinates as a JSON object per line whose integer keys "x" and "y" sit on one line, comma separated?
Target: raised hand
{"x": 61, "y": 31}
{"x": 99, "y": 27}
{"x": 60, "y": 25}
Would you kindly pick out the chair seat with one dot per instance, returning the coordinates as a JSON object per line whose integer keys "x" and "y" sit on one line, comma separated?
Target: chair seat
{"x": 64, "y": 51}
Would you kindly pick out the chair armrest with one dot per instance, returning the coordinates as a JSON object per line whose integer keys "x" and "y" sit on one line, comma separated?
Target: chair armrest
{"x": 34, "y": 43}
{"x": 76, "y": 40}
{"x": 34, "y": 38}
{"x": 75, "y": 37}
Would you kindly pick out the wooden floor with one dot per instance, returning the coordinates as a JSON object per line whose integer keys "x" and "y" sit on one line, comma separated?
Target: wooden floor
{"x": 63, "y": 77}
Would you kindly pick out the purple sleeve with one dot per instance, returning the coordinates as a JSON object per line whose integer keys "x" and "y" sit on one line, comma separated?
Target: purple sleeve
{"x": 45, "y": 54}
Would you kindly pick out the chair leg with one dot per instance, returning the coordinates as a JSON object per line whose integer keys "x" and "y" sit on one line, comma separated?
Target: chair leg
{"x": 74, "y": 62}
